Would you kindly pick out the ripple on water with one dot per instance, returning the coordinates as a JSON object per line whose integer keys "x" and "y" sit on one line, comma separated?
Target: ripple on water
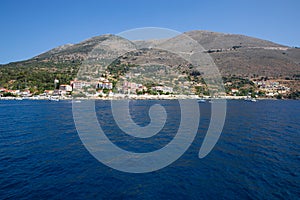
{"x": 257, "y": 156}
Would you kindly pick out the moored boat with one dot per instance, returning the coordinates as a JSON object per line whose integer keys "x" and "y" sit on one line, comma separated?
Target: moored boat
{"x": 53, "y": 98}
{"x": 250, "y": 99}
{"x": 201, "y": 100}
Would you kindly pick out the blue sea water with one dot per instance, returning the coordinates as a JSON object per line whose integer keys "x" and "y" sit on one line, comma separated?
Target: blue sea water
{"x": 256, "y": 157}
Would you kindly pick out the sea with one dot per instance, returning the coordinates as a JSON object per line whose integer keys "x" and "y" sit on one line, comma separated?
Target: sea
{"x": 256, "y": 157}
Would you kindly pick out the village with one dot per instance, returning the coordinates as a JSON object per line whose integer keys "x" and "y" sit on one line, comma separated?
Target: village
{"x": 104, "y": 88}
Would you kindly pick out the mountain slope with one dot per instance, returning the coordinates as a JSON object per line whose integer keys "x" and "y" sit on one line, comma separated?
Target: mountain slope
{"x": 245, "y": 56}
{"x": 233, "y": 54}
{"x": 214, "y": 40}
{"x": 71, "y": 52}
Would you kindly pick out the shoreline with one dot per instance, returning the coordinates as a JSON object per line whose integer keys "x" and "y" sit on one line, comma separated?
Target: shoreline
{"x": 140, "y": 97}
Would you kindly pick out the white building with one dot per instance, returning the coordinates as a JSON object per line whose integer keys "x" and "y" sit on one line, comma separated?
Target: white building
{"x": 77, "y": 84}
{"x": 67, "y": 88}
{"x": 164, "y": 89}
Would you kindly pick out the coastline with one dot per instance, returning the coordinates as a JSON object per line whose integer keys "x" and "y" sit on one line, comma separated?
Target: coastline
{"x": 140, "y": 97}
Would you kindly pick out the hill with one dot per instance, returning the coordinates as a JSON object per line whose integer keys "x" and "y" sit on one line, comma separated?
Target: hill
{"x": 246, "y": 56}
{"x": 235, "y": 55}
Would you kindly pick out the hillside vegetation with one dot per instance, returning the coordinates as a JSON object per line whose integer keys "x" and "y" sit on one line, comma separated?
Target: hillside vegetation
{"x": 235, "y": 55}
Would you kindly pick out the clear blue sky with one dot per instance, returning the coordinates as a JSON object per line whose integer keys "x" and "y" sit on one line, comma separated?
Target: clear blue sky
{"x": 30, "y": 27}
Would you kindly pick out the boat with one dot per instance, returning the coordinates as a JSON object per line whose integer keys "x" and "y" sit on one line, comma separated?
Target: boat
{"x": 201, "y": 100}
{"x": 35, "y": 98}
{"x": 250, "y": 99}
{"x": 53, "y": 98}
{"x": 19, "y": 98}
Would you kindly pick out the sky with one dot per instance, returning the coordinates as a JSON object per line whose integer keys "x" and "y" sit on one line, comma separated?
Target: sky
{"x": 31, "y": 27}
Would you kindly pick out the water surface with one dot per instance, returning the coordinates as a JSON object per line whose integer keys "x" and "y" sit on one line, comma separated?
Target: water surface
{"x": 257, "y": 156}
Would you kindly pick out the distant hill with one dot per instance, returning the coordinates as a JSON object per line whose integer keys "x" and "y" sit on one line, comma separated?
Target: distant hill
{"x": 71, "y": 52}
{"x": 234, "y": 54}
{"x": 243, "y": 55}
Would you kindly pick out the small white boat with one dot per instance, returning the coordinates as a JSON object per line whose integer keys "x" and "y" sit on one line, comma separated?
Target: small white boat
{"x": 19, "y": 98}
{"x": 201, "y": 100}
{"x": 250, "y": 99}
{"x": 53, "y": 98}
